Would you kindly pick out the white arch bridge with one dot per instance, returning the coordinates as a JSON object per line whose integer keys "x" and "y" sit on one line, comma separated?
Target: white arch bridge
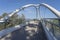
{"x": 43, "y": 29}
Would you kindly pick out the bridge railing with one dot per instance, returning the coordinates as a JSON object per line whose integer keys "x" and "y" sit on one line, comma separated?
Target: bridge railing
{"x": 7, "y": 31}
{"x": 53, "y": 26}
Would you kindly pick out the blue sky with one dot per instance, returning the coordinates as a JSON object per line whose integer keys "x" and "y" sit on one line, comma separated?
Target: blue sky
{"x": 10, "y": 5}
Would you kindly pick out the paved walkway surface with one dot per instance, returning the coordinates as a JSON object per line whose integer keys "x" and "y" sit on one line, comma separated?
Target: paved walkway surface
{"x": 29, "y": 32}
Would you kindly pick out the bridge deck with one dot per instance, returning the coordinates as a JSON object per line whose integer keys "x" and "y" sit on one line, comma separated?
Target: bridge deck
{"x": 35, "y": 33}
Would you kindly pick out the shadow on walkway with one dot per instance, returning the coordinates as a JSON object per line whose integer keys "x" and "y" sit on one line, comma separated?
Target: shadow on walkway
{"x": 21, "y": 34}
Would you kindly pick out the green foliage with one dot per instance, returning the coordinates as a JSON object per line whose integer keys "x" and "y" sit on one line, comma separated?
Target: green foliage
{"x": 55, "y": 21}
{"x": 14, "y": 20}
{"x": 4, "y": 14}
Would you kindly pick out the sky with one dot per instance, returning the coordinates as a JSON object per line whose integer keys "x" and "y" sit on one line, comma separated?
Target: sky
{"x": 10, "y": 5}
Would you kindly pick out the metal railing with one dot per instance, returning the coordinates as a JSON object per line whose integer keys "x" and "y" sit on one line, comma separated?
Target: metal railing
{"x": 52, "y": 27}
{"x": 6, "y": 31}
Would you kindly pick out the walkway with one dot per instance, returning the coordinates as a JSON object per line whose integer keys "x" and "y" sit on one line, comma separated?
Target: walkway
{"x": 35, "y": 33}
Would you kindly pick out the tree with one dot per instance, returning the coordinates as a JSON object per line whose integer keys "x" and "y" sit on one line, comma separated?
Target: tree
{"x": 0, "y": 17}
{"x": 14, "y": 20}
{"x": 23, "y": 17}
{"x": 4, "y": 14}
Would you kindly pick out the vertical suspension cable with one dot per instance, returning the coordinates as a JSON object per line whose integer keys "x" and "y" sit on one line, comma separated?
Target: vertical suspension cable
{"x": 36, "y": 13}
{"x": 39, "y": 14}
{"x": 44, "y": 12}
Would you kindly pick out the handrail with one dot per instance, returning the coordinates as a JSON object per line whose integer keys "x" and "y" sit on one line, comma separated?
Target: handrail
{"x": 52, "y": 23}
{"x": 49, "y": 35}
{"x": 9, "y": 30}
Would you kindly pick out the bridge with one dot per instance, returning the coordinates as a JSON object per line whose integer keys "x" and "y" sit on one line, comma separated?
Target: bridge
{"x": 39, "y": 29}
